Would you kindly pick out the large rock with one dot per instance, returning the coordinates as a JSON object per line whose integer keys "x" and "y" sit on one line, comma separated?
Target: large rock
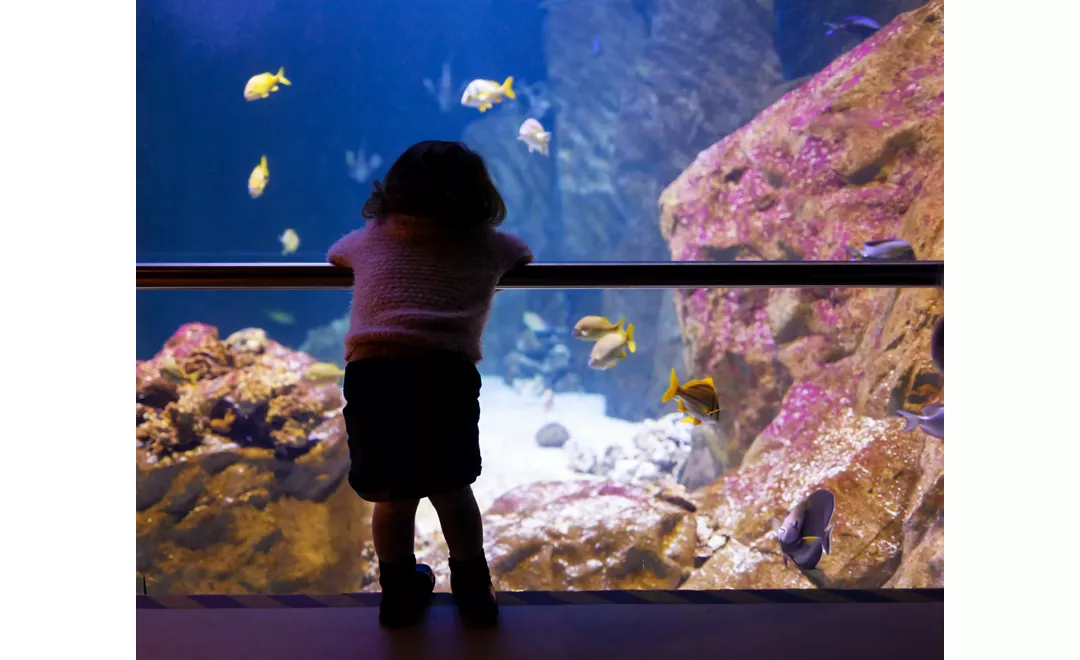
{"x": 811, "y": 378}
{"x": 853, "y": 155}
{"x": 240, "y": 476}
{"x": 673, "y": 77}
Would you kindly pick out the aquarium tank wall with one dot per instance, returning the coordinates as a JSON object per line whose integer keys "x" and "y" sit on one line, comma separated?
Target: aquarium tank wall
{"x": 637, "y": 131}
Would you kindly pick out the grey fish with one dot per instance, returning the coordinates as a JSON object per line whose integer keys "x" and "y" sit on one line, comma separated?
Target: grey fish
{"x": 806, "y": 532}
{"x": 360, "y": 166}
{"x": 932, "y": 420}
{"x": 937, "y": 345}
{"x": 860, "y": 25}
{"x": 442, "y": 93}
{"x": 886, "y": 248}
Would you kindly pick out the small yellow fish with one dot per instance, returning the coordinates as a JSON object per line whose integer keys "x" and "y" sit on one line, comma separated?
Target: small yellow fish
{"x": 172, "y": 372}
{"x": 611, "y": 348}
{"x": 696, "y": 398}
{"x": 532, "y": 133}
{"x": 290, "y": 241}
{"x": 324, "y": 372}
{"x": 260, "y": 176}
{"x": 278, "y": 316}
{"x": 260, "y": 85}
{"x": 482, "y": 94}
{"x": 547, "y": 400}
{"x": 592, "y": 328}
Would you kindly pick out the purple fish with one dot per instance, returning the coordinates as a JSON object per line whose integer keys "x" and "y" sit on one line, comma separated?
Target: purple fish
{"x": 932, "y": 420}
{"x": 937, "y": 345}
{"x": 887, "y": 248}
{"x": 596, "y": 47}
{"x": 806, "y": 532}
{"x": 860, "y": 25}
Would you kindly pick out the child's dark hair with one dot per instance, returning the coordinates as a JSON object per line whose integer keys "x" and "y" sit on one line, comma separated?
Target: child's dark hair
{"x": 443, "y": 181}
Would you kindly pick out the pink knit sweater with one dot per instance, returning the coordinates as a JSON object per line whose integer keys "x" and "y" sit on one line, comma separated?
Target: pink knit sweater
{"x": 423, "y": 285}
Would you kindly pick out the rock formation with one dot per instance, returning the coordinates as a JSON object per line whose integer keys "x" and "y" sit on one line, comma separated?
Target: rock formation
{"x": 809, "y": 379}
{"x": 240, "y": 472}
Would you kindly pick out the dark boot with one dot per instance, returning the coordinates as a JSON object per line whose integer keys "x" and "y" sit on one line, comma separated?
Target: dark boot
{"x": 475, "y": 597}
{"x": 406, "y": 592}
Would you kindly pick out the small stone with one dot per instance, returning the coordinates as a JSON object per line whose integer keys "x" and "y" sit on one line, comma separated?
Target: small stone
{"x": 552, "y": 434}
{"x": 580, "y": 459}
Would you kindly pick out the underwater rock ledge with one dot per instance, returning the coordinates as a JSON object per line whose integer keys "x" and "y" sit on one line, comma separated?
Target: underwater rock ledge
{"x": 810, "y": 378}
{"x": 240, "y": 474}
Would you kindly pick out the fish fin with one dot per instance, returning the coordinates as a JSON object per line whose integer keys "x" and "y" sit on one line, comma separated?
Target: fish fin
{"x": 618, "y": 324}
{"x": 686, "y": 420}
{"x": 673, "y": 388}
{"x": 281, "y": 77}
{"x": 262, "y": 163}
{"x": 911, "y": 421}
{"x": 826, "y": 539}
{"x": 374, "y": 161}
{"x": 193, "y": 378}
{"x": 274, "y": 88}
{"x": 630, "y": 338}
{"x": 775, "y": 523}
{"x": 508, "y": 87}
{"x": 697, "y": 421}
{"x": 932, "y": 408}
{"x": 709, "y": 381}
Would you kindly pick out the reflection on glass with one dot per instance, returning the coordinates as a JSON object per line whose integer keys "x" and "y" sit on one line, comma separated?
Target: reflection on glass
{"x": 687, "y": 130}
{"x": 591, "y": 479}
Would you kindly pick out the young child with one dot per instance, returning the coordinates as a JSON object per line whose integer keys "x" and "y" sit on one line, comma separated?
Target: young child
{"x": 425, "y": 269}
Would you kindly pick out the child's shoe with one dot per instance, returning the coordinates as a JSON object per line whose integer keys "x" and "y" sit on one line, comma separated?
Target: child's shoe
{"x": 406, "y": 592}
{"x": 475, "y": 597}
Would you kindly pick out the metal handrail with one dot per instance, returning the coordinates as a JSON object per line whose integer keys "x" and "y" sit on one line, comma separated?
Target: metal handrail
{"x": 674, "y": 275}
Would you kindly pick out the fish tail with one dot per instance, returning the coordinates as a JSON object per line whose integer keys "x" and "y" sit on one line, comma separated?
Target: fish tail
{"x": 673, "y": 388}
{"x": 630, "y": 343}
{"x": 508, "y": 87}
{"x": 262, "y": 163}
{"x": 281, "y": 77}
{"x": 618, "y": 324}
{"x": 910, "y": 419}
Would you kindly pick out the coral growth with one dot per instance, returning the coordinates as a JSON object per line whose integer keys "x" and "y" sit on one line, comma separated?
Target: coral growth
{"x": 240, "y": 473}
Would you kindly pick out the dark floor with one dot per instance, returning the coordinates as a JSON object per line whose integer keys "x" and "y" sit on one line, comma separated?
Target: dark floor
{"x": 836, "y": 631}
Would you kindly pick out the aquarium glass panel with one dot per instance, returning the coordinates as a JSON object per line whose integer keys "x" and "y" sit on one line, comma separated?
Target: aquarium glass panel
{"x": 618, "y": 130}
{"x": 819, "y": 414}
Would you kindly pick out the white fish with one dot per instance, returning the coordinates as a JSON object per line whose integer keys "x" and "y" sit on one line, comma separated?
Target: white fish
{"x": 932, "y": 420}
{"x": 889, "y": 248}
{"x": 535, "y": 322}
{"x": 290, "y": 241}
{"x": 483, "y": 94}
{"x": 534, "y": 135}
{"x": 442, "y": 92}
{"x": 611, "y": 348}
{"x": 360, "y": 166}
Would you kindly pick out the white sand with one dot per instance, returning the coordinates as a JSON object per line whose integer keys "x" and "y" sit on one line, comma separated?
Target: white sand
{"x": 508, "y": 424}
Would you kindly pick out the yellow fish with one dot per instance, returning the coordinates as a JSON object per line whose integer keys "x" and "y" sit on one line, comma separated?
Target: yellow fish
{"x": 324, "y": 372}
{"x": 172, "y": 372}
{"x": 611, "y": 348}
{"x": 260, "y": 176}
{"x": 260, "y": 85}
{"x": 281, "y": 317}
{"x": 481, "y": 94}
{"x": 592, "y": 328}
{"x": 290, "y": 241}
{"x": 697, "y": 398}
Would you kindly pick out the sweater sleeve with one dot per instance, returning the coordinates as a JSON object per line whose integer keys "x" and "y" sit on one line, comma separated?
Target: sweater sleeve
{"x": 513, "y": 251}
{"x": 340, "y": 253}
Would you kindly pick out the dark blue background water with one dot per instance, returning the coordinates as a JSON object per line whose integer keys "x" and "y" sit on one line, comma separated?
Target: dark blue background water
{"x": 357, "y": 69}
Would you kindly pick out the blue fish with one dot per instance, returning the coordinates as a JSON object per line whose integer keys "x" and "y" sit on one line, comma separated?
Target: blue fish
{"x": 596, "y": 48}
{"x": 860, "y": 25}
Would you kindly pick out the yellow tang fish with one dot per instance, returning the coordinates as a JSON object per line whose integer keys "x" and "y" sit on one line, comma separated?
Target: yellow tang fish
{"x": 697, "y": 398}
{"x": 260, "y": 85}
{"x": 481, "y": 94}
{"x": 592, "y": 328}
{"x": 324, "y": 372}
{"x": 611, "y": 348}
{"x": 290, "y": 241}
{"x": 260, "y": 176}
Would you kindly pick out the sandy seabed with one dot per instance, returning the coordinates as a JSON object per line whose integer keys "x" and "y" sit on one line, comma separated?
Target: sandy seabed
{"x": 509, "y": 421}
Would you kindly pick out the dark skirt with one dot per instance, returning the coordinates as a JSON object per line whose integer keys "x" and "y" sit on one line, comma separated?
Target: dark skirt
{"x": 412, "y": 425}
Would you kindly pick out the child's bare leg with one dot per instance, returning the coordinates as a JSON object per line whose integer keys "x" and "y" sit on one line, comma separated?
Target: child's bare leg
{"x": 459, "y": 517}
{"x": 393, "y": 528}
